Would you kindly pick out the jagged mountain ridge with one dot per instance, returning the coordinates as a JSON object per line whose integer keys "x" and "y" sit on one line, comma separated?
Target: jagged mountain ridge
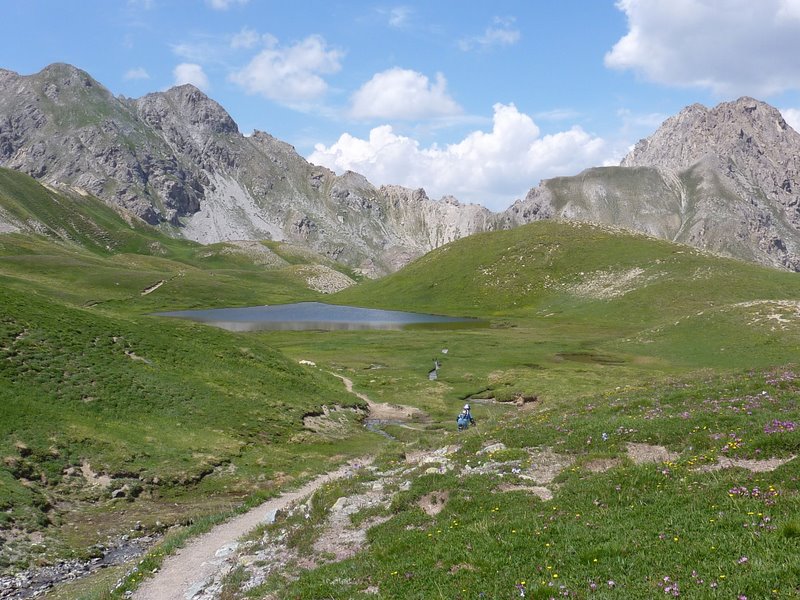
{"x": 724, "y": 179}
{"x": 177, "y": 160}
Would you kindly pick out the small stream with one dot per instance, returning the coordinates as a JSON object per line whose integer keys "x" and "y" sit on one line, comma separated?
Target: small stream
{"x": 34, "y": 582}
{"x": 376, "y": 425}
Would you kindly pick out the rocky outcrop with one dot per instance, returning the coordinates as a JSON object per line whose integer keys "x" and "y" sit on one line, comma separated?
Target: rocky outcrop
{"x": 63, "y": 127}
{"x": 177, "y": 160}
{"x": 723, "y": 179}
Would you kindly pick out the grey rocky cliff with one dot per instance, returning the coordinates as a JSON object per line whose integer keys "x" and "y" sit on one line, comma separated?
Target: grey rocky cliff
{"x": 724, "y": 179}
{"x": 178, "y": 160}
{"x": 63, "y": 127}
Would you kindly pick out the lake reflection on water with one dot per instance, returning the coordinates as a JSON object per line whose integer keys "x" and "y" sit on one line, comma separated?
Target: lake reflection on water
{"x": 309, "y": 316}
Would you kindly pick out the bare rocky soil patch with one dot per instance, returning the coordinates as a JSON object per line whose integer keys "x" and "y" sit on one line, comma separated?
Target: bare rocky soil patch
{"x": 343, "y": 534}
{"x": 755, "y": 466}
{"x": 273, "y": 558}
{"x": 196, "y": 570}
{"x": 642, "y": 454}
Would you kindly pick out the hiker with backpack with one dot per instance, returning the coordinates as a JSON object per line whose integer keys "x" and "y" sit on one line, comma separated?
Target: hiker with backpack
{"x": 465, "y": 418}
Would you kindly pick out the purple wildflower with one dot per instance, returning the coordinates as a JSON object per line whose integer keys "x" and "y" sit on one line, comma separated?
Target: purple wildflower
{"x": 777, "y": 426}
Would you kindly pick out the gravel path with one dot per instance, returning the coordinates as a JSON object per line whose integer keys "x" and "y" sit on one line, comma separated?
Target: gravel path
{"x": 381, "y": 410}
{"x": 195, "y": 569}
{"x": 185, "y": 575}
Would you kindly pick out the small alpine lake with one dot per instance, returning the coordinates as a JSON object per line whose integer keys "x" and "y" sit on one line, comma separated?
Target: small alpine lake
{"x": 303, "y": 316}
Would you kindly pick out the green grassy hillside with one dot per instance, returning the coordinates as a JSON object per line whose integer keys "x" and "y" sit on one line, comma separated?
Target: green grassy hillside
{"x": 580, "y": 271}
{"x": 91, "y": 385}
{"x": 80, "y": 250}
{"x": 73, "y": 218}
{"x": 656, "y": 454}
{"x": 574, "y": 309}
{"x": 621, "y": 496}
{"x": 602, "y": 332}
{"x": 139, "y": 397}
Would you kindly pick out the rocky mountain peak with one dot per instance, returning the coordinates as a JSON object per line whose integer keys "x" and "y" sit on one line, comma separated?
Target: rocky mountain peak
{"x": 63, "y": 84}
{"x": 70, "y": 94}
{"x": 190, "y": 105}
{"x": 726, "y": 179}
{"x": 690, "y": 114}
{"x": 744, "y": 130}
{"x": 412, "y": 194}
{"x": 272, "y": 144}
{"x": 178, "y": 160}
{"x": 355, "y": 180}
{"x": 68, "y": 75}
{"x": 6, "y": 74}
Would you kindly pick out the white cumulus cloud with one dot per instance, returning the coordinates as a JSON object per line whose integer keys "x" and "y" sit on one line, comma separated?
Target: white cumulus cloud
{"x": 197, "y": 51}
{"x": 500, "y": 33}
{"x": 403, "y": 94}
{"x": 191, "y": 73}
{"x": 290, "y": 75}
{"x": 137, "y": 73}
{"x": 792, "y": 117}
{"x": 727, "y": 46}
{"x": 398, "y": 16}
{"x": 224, "y": 4}
{"x": 246, "y": 38}
{"x": 491, "y": 168}
{"x": 789, "y": 9}
{"x": 249, "y": 38}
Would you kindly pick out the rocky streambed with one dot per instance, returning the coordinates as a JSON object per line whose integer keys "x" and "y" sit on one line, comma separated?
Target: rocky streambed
{"x": 36, "y": 581}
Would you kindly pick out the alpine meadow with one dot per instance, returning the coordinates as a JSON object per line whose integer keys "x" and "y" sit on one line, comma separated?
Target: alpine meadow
{"x": 620, "y": 343}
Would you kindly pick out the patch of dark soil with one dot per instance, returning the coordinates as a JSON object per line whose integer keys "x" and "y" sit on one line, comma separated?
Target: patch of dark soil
{"x": 589, "y": 358}
{"x": 487, "y": 392}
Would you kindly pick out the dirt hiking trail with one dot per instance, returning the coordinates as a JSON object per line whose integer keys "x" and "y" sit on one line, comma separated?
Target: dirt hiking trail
{"x": 381, "y": 410}
{"x": 185, "y": 574}
{"x": 192, "y": 570}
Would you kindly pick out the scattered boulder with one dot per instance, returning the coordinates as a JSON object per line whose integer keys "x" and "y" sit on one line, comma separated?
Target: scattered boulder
{"x": 434, "y": 502}
{"x": 541, "y": 492}
{"x": 93, "y": 478}
{"x": 121, "y": 492}
{"x": 437, "y": 456}
{"x": 521, "y": 399}
{"x": 601, "y": 465}
{"x": 755, "y": 466}
{"x": 491, "y": 449}
{"x": 340, "y": 538}
{"x": 545, "y": 465}
{"x": 642, "y": 454}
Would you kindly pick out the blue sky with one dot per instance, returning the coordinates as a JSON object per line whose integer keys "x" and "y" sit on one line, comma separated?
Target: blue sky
{"x": 480, "y": 100}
